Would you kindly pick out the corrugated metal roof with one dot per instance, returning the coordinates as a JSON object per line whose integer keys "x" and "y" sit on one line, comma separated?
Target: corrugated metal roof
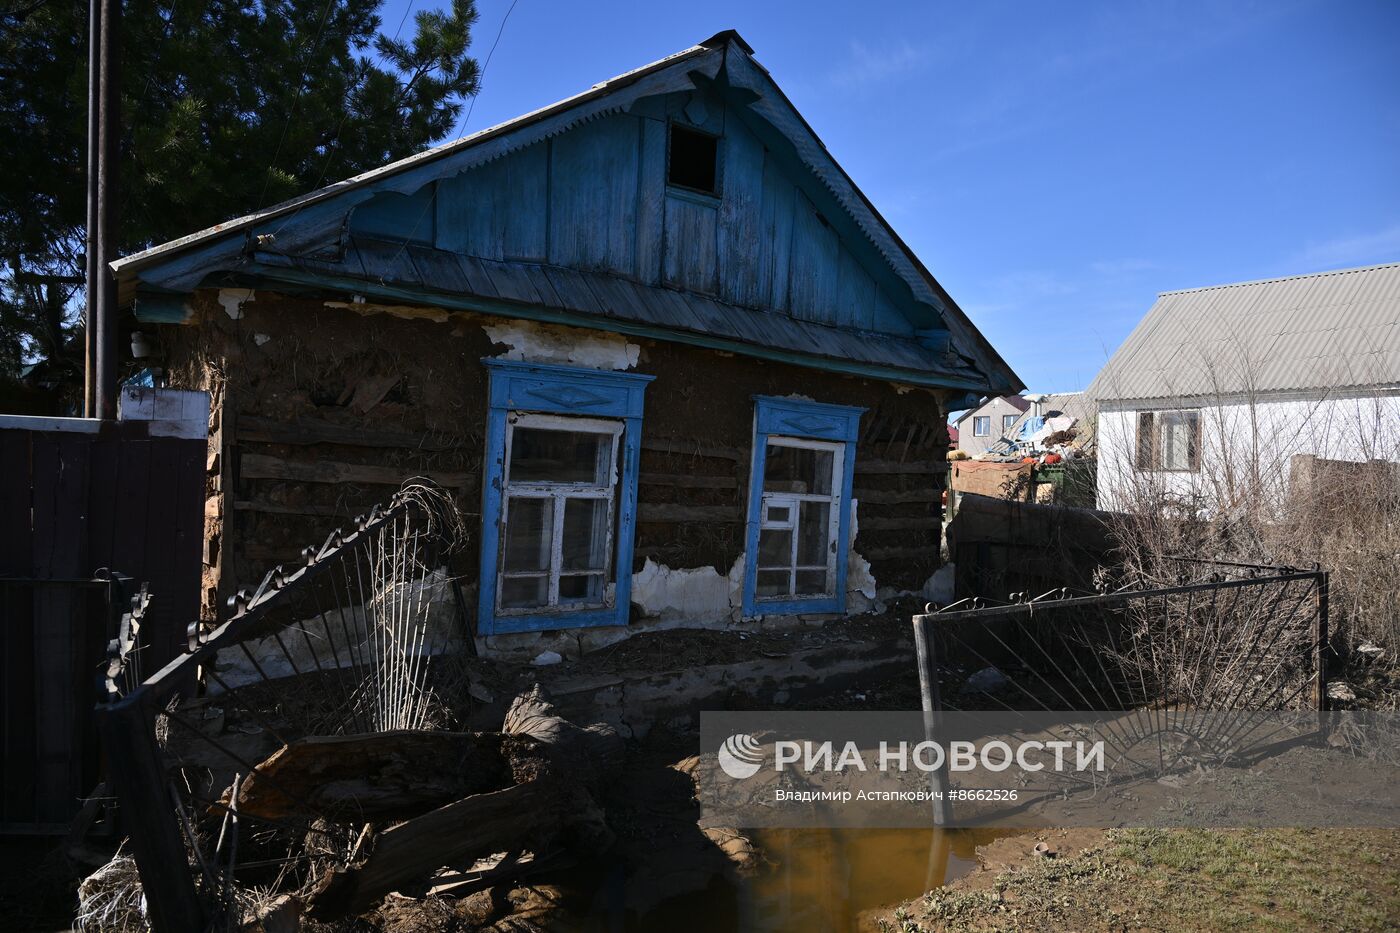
{"x": 599, "y": 294}
{"x": 1328, "y": 330}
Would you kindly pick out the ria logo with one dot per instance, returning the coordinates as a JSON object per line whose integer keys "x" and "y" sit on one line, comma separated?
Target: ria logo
{"x": 740, "y": 756}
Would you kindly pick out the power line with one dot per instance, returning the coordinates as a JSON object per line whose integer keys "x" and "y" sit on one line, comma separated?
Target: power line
{"x": 296, "y": 100}
{"x": 331, "y": 150}
{"x": 460, "y": 132}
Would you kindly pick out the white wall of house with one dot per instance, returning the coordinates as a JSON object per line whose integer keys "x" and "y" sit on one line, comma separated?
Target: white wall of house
{"x": 1245, "y": 445}
{"x": 995, "y": 410}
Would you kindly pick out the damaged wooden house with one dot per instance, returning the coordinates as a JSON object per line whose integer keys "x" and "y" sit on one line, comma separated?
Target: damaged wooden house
{"x": 671, "y": 361}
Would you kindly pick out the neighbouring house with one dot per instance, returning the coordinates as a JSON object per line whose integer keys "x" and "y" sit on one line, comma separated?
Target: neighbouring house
{"x": 1218, "y": 389}
{"x": 981, "y": 428}
{"x": 674, "y": 364}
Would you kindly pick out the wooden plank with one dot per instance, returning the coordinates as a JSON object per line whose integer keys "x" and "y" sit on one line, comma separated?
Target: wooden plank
{"x": 740, "y": 219}
{"x": 909, "y": 523}
{"x": 261, "y": 466}
{"x": 165, "y": 630}
{"x": 16, "y": 555}
{"x": 689, "y": 261}
{"x": 687, "y": 480}
{"x": 651, "y": 191}
{"x": 136, "y": 775}
{"x": 711, "y": 514}
{"x": 333, "y": 511}
{"x": 928, "y": 552}
{"x": 895, "y": 497}
{"x": 815, "y": 248}
{"x": 593, "y": 195}
{"x": 18, "y": 696}
{"x": 303, "y": 431}
{"x": 911, "y": 468}
{"x": 690, "y": 448}
{"x": 60, "y": 538}
{"x": 775, "y": 242}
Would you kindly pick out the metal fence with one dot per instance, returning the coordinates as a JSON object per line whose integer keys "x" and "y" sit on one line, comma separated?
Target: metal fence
{"x": 1219, "y": 635}
{"x": 342, "y": 644}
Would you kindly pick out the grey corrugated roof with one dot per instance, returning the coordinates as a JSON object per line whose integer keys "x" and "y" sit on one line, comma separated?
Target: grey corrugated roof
{"x": 1302, "y": 333}
{"x": 597, "y": 294}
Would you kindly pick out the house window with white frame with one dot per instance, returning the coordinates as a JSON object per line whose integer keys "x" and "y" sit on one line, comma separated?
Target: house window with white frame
{"x": 801, "y": 510}
{"x": 559, "y": 503}
{"x": 799, "y": 506}
{"x": 982, "y": 426}
{"x": 1007, "y": 423}
{"x": 559, "y": 497}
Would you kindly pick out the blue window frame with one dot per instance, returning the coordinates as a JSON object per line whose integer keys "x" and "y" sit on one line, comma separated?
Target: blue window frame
{"x": 559, "y": 501}
{"x": 799, "y": 514}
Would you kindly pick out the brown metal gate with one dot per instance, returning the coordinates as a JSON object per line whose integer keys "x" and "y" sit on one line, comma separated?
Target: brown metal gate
{"x": 77, "y": 496}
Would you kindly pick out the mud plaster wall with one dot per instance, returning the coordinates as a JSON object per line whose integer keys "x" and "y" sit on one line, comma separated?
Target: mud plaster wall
{"x": 322, "y": 406}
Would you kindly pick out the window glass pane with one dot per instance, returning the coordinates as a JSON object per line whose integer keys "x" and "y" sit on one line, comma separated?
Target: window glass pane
{"x": 524, "y": 592}
{"x": 813, "y": 533}
{"x": 1176, "y": 441}
{"x": 581, "y": 588}
{"x": 775, "y": 547}
{"x": 529, "y": 530}
{"x": 1006, "y": 422}
{"x": 585, "y": 535}
{"x": 811, "y": 583}
{"x": 798, "y": 469}
{"x": 982, "y": 426}
{"x": 540, "y": 455}
{"x": 779, "y": 514}
{"x": 772, "y": 583}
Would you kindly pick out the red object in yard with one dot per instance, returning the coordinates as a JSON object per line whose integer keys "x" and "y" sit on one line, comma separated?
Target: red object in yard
{"x": 1028, "y": 460}
{"x": 1052, "y": 458}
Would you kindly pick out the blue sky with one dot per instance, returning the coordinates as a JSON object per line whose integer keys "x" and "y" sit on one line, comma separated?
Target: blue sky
{"x": 1055, "y": 165}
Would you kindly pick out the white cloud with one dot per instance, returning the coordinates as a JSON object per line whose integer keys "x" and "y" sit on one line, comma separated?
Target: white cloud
{"x": 1121, "y": 266}
{"x": 1358, "y": 250}
{"x": 867, "y": 65}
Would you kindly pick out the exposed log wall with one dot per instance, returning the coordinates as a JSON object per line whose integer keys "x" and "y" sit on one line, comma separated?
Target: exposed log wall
{"x": 319, "y": 412}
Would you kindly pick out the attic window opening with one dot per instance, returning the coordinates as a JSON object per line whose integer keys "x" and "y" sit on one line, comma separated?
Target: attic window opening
{"x": 693, "y": 160}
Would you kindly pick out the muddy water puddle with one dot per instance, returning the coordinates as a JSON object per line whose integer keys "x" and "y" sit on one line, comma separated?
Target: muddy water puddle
{"x": 818, "y": 880}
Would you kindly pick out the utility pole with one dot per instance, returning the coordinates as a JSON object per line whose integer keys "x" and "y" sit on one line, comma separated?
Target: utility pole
{"x": 104, "y": 168}
{"x": 92, "y": 280}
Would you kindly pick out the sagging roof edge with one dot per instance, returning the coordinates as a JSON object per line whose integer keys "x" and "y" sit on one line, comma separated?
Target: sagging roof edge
{"x": 1002, "y": 380}
{"x": 388, "y": 293}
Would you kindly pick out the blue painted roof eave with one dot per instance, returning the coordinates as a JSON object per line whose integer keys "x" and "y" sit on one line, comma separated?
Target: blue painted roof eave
{"x": 404, "y": 294}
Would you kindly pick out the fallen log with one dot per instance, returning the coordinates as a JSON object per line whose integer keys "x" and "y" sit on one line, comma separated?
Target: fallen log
{"x": 526, "y": 816}
{"x": 364, "y": 778}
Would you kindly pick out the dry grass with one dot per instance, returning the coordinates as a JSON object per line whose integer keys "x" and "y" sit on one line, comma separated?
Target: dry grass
{"x": 1321, "y": 488}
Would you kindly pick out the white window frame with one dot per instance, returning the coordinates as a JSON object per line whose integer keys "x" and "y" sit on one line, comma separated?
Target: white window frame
{"x": 792, "y": 502}
{"x": 560, "y": 493}
{"x": 984, "y": 433}
{"x": 1007, "y": 423}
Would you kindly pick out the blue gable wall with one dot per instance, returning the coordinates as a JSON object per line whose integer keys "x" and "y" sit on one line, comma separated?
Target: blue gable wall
{"x": 595, "y": 198}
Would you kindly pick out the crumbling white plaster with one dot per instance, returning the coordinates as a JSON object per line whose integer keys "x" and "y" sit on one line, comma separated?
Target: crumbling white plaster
{"x": 529, "y": 342}
{"x": 700, "y": 594}
{"x": 939, "y": 587}
{"x": 861, "y": 591}
{"x": 261, "y": 339}
{"x": 233, "y": 300}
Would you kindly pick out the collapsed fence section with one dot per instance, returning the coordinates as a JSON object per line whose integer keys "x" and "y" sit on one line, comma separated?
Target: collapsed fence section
{"x": 1221, "y": 636}
{"x": 343, "y": 644}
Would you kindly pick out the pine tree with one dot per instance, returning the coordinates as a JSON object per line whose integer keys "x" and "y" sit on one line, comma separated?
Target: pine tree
{"x": 228, "y": 106}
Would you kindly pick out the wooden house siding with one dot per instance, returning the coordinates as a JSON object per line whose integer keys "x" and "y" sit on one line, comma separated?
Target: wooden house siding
{"x": 596, "y": 199}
